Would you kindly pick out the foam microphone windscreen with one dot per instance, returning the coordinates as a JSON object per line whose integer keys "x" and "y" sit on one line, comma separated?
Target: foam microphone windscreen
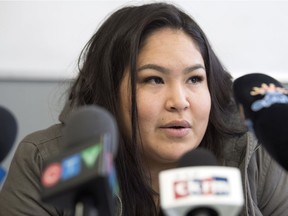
{"x": 87, "y": 123}
{"x": 198, "y": 157}
{"x": 8, "y": 131}
{"x": 264, "y": 101}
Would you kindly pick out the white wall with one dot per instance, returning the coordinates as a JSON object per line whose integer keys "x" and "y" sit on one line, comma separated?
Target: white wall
{"x": 42, "y": 39}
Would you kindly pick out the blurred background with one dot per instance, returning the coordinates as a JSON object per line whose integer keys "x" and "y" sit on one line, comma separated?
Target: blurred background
{"x": 40, "y": 42}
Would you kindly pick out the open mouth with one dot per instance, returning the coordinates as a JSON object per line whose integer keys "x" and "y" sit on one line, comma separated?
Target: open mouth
{"x": 177, "y": 129}
{"x": 178, "y": 124}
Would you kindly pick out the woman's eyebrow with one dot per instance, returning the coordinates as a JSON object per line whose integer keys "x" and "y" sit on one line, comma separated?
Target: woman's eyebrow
{"x": 166, "y": 70}
{"x": 154, "y": 67}
{"x": 193, "y": 68}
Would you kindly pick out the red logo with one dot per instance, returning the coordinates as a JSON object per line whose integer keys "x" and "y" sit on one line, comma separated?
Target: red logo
{"x": 181, "y": 189}
{"x": 51, "y": 175}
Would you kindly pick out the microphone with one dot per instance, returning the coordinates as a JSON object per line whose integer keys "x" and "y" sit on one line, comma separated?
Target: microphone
{"x": 8, "y": 132}
{"x": 200, "y": 187}
{"x": 263, "y": 104}
{"x": 82, "y": 177}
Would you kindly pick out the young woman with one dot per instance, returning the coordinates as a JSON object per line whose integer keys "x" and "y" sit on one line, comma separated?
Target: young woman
{"x": 152, "y": 67}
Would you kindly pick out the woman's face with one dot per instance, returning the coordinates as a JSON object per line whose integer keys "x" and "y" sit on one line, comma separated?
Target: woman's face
{"x": 173, "y": 99}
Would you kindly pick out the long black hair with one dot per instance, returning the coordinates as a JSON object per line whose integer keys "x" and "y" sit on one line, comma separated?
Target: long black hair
{"x": 115, "y": 47}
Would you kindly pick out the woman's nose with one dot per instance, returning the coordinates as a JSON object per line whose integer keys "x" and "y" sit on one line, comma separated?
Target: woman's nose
{"x": 177, "y": 99}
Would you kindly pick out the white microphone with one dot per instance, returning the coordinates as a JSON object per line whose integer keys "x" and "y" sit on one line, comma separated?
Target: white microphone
{"x": 200, "y": 187}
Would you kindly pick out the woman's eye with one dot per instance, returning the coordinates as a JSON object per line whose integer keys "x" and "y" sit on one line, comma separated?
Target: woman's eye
{"x": 154, "y": 80}
{"x": 195, "y": 79}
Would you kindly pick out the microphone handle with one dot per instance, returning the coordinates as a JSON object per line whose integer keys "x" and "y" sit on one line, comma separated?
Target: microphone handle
{"x": 85, "y": 207}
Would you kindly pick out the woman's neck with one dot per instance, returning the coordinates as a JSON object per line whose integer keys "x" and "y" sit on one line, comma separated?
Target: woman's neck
{"x": 153, "y": 170}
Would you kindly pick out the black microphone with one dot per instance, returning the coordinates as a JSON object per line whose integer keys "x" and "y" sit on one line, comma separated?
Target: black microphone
{"x": 263, "y": 102}
{"x": 82, "y": 176}
{"x": 8, "y": 132}
{"x": 201, "y": 187}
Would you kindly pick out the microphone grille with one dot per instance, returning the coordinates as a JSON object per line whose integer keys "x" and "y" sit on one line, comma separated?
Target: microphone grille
{"x": 87, "y": 123}
{"x": 198, "y": 157}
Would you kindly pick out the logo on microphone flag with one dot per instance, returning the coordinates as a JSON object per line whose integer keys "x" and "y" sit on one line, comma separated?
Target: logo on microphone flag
{"x": 51, "y": 175}
{"x": 71, "y": 166}
{"x": 272, "y": 95}
{"x": 201, "y": 187}
{"x": 90, "y": 155}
